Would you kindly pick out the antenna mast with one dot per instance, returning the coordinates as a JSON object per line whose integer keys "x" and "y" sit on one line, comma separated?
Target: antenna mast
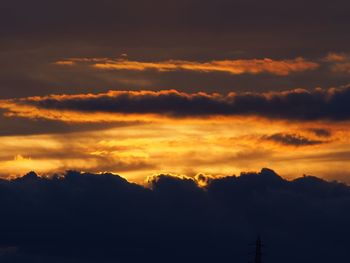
{"x": 258, "y": 253}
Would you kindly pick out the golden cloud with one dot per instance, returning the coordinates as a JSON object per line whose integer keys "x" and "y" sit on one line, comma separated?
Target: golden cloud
{"x": 235, "y": 67}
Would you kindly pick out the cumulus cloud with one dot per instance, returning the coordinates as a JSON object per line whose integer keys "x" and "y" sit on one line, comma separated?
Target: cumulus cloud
{"x": 235, "y": 67}
{"x": 104, "y": 218}
{"x": 291, "y": 139}
{"x": 319, "y": 104}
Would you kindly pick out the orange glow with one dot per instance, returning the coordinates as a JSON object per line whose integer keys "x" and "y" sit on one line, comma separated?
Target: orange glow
{"x": 211, "y": 145}
{"x": 65, "y": 63}
{"x": 214, "y": 147}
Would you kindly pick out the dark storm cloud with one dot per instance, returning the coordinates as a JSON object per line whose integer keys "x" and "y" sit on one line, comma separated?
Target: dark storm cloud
{"x": 302, "y": 105}
{"x": 104, "y": 218}
{"x": 291, "y": 139}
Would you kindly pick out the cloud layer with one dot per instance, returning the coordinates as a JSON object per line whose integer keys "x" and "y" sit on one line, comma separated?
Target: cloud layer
{"x": 104, "y": 218}
{"x": 295, "y": 105}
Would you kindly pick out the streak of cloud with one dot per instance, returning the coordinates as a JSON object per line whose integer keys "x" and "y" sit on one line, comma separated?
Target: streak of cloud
{"x": 235, "y": 67}
{"x": 291, "y": 139}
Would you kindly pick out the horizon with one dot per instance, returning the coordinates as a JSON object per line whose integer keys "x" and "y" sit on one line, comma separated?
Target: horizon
{"x": 200, "y": 179}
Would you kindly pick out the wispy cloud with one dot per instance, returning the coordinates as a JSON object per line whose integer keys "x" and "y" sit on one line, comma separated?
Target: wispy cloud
{"x": 235, "y": 67}
{"x": 338, "y": 62}
{"x": 320, "y": 132}
{"x": 291, "y": 139}
{"x": 342, "y": 67}
{"x": 335, "y": 57}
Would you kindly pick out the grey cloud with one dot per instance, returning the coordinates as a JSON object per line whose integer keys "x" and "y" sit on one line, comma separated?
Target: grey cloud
{"x": 291, "y": 139}
{"x": 23, "y": 126}
{"x": 320, "y": 132}
{"x": 294, "y": 105}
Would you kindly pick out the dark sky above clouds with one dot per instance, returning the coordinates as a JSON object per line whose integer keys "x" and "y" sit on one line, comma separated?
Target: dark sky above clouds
{"x": 35, "y": 34}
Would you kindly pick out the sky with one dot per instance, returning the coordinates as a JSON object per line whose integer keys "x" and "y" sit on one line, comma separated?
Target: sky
{"x": 139, "y": 88}
{"x": 174, "y": 131}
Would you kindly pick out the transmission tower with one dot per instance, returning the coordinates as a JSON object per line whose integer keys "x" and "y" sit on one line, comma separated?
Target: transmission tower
{"x": 258, "y": 248}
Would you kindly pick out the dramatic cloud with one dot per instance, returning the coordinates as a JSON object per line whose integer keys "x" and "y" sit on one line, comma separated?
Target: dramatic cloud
{"x": 291, "y": 139}
{"x": 302, "y": 105}
{"x": 235, "y": 67}
{"x": 104, "y": 218}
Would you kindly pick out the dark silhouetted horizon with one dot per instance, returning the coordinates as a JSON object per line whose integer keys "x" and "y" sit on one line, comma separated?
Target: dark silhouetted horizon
{"x": 82, "y": 217}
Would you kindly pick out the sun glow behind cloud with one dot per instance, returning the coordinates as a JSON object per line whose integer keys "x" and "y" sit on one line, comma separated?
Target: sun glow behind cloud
{"x": 212, "y": 146}
{"x": 183, "y": 133}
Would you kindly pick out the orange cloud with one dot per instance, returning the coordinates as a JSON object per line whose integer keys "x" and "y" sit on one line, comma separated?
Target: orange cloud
{"x": 338, "y": 62}
{"x": 342, "y": 67}
{"x": 65, "y": 63}
{"x": 235, "y": 67}
{"x": 335, "y": 57}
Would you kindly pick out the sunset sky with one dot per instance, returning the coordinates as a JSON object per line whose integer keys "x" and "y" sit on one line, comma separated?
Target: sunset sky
{"x": 181, "y": 87}
{"x": 177, "y": 131}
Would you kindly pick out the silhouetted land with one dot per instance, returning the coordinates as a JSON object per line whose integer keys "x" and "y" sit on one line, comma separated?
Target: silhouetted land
{"x": 104, "y": 218}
